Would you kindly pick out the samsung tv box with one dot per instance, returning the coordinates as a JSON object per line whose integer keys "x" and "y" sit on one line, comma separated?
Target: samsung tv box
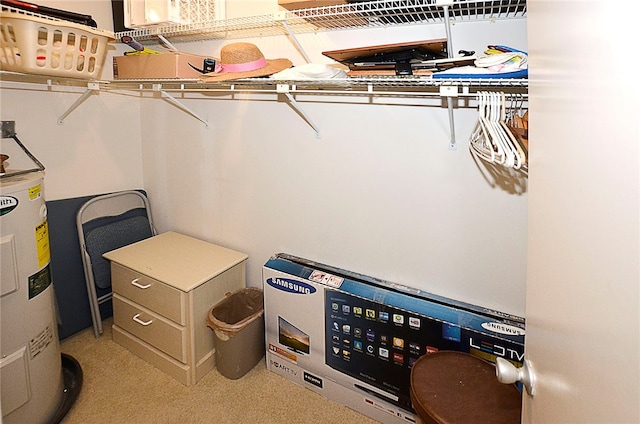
{"x": 354, "y": 338}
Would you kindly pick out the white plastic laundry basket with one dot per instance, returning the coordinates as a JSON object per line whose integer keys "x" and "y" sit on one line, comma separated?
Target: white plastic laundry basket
{"x": 38, "y": 45}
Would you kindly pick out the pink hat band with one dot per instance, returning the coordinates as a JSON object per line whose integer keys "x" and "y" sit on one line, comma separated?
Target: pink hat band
{"x": 244, "y": 67}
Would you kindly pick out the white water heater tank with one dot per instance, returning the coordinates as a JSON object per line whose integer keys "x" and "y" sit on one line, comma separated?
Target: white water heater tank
{"x": 31, "y": 376}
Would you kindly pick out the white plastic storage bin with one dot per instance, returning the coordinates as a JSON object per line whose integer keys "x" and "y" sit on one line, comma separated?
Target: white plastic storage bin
{"x": 145, "y": 13}
{"x": 38, "y": 45}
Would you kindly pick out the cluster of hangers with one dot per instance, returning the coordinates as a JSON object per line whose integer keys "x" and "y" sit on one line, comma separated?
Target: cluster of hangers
{"x": 500, "y": 135}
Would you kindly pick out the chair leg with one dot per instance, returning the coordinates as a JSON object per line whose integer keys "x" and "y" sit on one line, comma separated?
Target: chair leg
{"x": 95, "y": 309}
{"x": 98, "y": 321}
{"x": 96, "y": 330}
{"x": 97, "y": 327}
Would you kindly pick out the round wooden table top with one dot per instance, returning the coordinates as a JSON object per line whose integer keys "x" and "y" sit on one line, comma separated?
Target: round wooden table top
{"x": 450, "y": 387}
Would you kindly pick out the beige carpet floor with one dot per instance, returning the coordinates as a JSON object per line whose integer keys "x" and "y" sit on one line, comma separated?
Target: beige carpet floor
{"x": 119, "y": 387}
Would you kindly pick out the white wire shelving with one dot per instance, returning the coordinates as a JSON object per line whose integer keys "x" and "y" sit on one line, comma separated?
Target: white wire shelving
{"x": 176, "y": 91}
{"x": 370, "y": 14}
{"x": 354, "y": 15}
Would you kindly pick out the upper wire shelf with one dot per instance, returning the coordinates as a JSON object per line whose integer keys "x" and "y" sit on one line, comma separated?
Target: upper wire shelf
{"x": 369, "y": 14}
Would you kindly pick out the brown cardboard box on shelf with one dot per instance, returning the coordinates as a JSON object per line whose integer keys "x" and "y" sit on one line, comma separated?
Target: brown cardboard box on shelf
{"x": 305, "y": 4}
{"x": 176, "y": 65}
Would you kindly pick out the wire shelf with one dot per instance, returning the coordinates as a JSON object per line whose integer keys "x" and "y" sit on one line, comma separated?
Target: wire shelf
{"x": 369, "y": 14}
{"x": 371, "y": 85}
{"x": 378, "y": 83}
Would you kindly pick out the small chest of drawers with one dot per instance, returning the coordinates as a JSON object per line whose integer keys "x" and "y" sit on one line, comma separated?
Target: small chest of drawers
{"x": 163, "y": 289}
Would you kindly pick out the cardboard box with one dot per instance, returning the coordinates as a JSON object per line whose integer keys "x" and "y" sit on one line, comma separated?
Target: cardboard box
{"x": 353, "y": 338}
{"x": 175, "y": 65}
{"x": 305, "y": 4}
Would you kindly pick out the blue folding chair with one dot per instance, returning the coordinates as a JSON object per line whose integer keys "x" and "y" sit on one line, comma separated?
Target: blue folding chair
{"x": 106, "y": 223}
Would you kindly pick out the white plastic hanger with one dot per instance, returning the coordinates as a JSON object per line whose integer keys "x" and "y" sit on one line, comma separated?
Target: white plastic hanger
{"x": 518, "y": 152}
{"x": 516, "y": 122}
{"x": 489, "y": 121}
{"x": 504, "y": 138}
{"x": 480, "y": 140}
{"x": 491, "y": 139}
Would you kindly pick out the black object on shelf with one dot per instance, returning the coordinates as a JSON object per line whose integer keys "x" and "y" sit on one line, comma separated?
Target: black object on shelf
{"x": 50, "y": 11}
{"x": 117, "y": 10}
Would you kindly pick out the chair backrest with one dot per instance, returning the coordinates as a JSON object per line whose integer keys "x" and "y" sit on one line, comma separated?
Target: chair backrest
{"x": 109, "y": 222}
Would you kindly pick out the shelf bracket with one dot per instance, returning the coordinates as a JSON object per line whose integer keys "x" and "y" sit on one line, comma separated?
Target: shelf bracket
{"x": 167, "y": 43}
{"x": 92, "y": 87}
{"x": 280, "y": 17}
{"x": 284, "y": 89}
{"x": 450, "y": 92}
{"x": 169, "y": 98}
{"x": 447, "y": 24}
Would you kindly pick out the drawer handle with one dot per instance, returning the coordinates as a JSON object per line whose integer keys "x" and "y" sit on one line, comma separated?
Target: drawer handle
{"x": 137, "y": 319}
{"x": 140, "y": 286}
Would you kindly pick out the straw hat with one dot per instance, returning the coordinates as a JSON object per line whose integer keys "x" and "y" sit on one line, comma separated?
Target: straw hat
{"x": 244, "y": 60}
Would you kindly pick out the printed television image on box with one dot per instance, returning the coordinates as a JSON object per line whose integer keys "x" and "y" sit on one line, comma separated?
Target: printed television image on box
{"x": 292, "y": 337}
{"x": 354, "y": 338}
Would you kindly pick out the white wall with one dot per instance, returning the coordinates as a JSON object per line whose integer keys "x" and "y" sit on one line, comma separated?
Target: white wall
{"x": 97, "y": 148}
{"x": 378, "y": 193}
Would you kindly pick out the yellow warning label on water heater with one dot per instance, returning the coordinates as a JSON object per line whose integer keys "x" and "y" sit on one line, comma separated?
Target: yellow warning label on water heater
{"x": 42, "y": 244}
{"x": 35, "y": 192}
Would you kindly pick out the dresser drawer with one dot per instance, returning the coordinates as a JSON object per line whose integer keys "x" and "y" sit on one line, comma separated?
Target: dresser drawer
{"x": 152, "y": 294}
{"x": 151, "y": 328}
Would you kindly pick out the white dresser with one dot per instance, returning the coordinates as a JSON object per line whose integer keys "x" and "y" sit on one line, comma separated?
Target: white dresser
{"x": 163, "y": 289}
